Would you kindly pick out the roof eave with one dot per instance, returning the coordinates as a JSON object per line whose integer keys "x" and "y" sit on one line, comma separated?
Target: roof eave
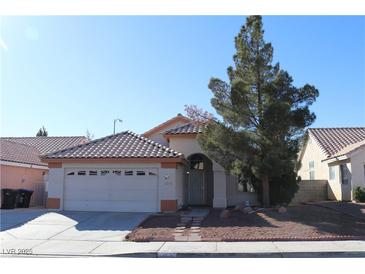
{"x": 179, "y": 159}
{"x": 181, "y": 135}
{"x": 336, "y": 158}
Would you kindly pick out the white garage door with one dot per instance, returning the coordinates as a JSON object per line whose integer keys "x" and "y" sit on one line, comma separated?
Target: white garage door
{"x": 132, "y": 190}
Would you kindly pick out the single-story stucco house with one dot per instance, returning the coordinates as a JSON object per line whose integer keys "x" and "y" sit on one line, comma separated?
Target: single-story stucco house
{"x": 161, "y": 170}
{"x": 21, "y": 166}
{"x": 336, "y": 155}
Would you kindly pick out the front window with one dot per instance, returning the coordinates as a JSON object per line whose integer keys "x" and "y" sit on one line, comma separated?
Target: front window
{"x": 197, "y": 162}
{"x": 245, "y": 185}
{"x": 332, "y": 172}
{"x": 344, "y": 174}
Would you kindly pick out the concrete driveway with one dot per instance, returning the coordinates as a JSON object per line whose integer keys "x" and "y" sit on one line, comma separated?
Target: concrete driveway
{"x": 39, "y": 231}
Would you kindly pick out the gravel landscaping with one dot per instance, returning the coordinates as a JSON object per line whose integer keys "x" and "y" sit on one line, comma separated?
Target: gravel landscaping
{"x": 304, "y": 222}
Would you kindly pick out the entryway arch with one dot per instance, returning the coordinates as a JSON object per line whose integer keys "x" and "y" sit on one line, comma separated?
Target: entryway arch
{"x": 199, "y": 181}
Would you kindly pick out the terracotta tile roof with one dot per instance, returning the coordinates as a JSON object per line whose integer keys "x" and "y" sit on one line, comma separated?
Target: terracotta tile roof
{"x": 45, "y": 144}
{"x": 122, "y": 145}
{"x": 190, "y": 128}
{"x": 19, "y": 153}
{"x": 178, "y": 118}
{"x": 333, "y": 140}
{"x": 350, "y": 148}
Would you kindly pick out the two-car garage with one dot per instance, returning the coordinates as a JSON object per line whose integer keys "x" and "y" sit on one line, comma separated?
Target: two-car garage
{"x": 111, "y": 189}
{"x": 124, "y": 172}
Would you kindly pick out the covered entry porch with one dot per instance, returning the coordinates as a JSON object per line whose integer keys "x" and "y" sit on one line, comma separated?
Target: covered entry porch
{"x": 204, "y": 182}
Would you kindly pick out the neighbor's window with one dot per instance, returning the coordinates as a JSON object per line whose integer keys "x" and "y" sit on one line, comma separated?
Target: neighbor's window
{"x": 311, "y": 170}
{"x": 128, "y": 172}
{"x": 345, "y": 174}
{"x": 93, "y": 173}
{"x": 154, "y": 173}
{"x": 71, "y": 173}
{"x": 332, "y": 171}
{"x": 141, "y": 173}
{"x": 104, "y": 172}
{"x": 117, "y": 172}
{"x": 245, "y": 185}
{"x": 81, "y": 172}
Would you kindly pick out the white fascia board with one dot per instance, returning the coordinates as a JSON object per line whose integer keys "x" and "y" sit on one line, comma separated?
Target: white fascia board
{"x": 336, "y": 159}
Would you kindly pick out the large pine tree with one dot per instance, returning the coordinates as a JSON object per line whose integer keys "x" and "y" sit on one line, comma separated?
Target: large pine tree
{"x": 263, "y": 118}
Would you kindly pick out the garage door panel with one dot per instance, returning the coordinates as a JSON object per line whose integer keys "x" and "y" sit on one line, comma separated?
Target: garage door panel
{"x": 118, "y": 206}
{"x": 111, "y": 192}
{"x": 134, "y": 194}
{"x": 135, "y": 184}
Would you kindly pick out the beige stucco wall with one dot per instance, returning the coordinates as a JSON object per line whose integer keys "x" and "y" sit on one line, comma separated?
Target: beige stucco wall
{"x": 159, "y": 138}
{"x": 314, "y": 153}
{"x": 358, "y": 169}
{"x": 336, "y": 191}
{"x": 16, "y": 177}
{"x": 334, "y": 185}
{"x": 179, "y": 192}
{"x": 225, "y": 185}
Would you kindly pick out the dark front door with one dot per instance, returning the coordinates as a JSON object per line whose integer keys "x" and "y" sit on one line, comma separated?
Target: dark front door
{"x": 196, "y": 188}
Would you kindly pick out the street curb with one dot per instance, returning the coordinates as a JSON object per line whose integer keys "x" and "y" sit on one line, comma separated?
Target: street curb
{"x": 170, "y": 255}
{"x": 336, "y": 254}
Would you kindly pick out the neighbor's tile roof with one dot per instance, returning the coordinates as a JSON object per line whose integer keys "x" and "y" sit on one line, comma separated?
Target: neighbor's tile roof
{"x": 19, "y": 153}
{"x": 45, "y": 144}
{"x": 333, "y": 140}
{"x": 122, "y": 145}
{"x": 190, "y": 128}
{"x": 350, "y": 148}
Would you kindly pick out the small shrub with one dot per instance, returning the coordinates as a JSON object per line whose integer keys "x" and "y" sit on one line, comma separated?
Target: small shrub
{"x": 359, "y": 194}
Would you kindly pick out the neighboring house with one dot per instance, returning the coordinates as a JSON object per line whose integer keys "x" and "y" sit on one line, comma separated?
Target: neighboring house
{"x": 161, "y": 170}
{"x": 20, "y": 164}
{"x": 336, "y": 155}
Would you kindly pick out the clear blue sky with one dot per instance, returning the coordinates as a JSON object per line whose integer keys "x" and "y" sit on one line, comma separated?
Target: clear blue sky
{"x": 76, "y": 73}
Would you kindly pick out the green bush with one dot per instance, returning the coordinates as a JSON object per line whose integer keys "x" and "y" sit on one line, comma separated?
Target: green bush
{"x": 359, "y": 194}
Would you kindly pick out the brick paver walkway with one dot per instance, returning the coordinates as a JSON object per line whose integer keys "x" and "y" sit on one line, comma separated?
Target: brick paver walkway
{"x": 188, "y": 229}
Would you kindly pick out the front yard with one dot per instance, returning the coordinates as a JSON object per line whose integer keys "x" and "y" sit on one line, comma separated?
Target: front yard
{"x": 304, "y": 222}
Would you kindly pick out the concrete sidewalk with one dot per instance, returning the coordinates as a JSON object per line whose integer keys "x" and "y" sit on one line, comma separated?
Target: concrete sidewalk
{"x": 186, "y": 249}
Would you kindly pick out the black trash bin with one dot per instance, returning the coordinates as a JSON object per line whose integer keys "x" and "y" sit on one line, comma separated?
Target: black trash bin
{"x": 8, "y": 198}
{"x": 23, "y": 198}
